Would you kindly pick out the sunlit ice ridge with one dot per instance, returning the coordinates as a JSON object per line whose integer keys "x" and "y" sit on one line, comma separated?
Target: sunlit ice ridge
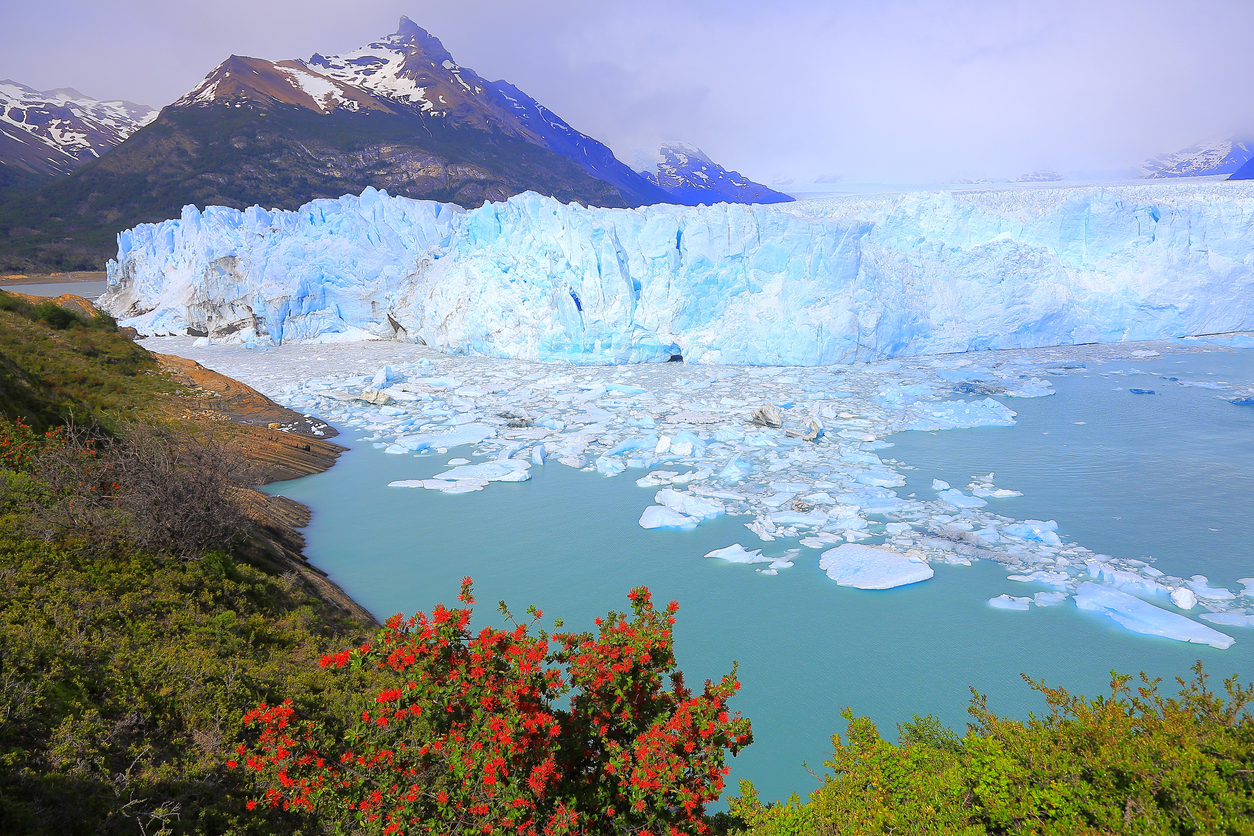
{"x": 822, "y": 281}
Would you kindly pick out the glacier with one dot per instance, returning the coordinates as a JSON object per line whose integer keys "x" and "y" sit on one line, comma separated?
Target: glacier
{"x": 816, "y": 282}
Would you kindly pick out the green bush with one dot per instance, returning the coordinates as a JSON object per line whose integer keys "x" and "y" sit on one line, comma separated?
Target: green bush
{"x": 56, "y": 316}
{"x": 1135, "y": 762}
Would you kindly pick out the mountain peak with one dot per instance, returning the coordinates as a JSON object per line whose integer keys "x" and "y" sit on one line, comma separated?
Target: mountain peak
{"x": 416, "y": 39}
{"x": 685, "y": 171}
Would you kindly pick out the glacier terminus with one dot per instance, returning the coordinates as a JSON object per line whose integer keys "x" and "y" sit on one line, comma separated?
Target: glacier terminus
{"x": 816, "y": 282}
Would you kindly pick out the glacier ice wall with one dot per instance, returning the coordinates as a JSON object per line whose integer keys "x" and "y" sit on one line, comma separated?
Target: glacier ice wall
{"x": 815, "y": 282}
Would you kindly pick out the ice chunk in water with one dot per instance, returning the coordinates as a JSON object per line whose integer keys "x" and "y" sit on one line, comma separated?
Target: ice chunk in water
{"x": 1058, "y": 580}
{"x": 690, "y": 505}
{"x": 1184, "y": 598}
{"x": 609, "y": 466}
{"x": 1230, "y": 619}
{"x": 385, "y": 377}
{"x": 1201, "y": 586}
{"x": 1009, "y": 602}
{"x": 465, "y": 434}
{"x": 1049, "y": 599}
{"x": 1142, "y": 617}
{"x": 940, "y": 485}
{"x": 872, "y": 567}
{"x": 659, "y": 516}
{"x": 737, "y": 553}
{"x": 735, "y": 470}
{"x": 958, "y": 499}
{"x": 657, "y": 478}
{"x": 1040, "y": 531}
{"x": 508, "y": 470}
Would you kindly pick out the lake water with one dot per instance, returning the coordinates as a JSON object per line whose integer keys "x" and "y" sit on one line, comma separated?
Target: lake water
{"x": 88, "y": 290}
{"x": 1164, "y": 476}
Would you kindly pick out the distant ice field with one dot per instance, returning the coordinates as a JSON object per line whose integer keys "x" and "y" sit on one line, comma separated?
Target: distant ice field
{"x": 1063, "y": 512}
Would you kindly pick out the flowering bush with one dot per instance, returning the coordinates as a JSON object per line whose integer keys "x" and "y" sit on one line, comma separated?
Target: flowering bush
{"x": 21, "y": 447}
{"x": 459, "y": 731}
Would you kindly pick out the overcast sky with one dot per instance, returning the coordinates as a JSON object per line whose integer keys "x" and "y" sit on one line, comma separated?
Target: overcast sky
{"x": 882, "y": 90}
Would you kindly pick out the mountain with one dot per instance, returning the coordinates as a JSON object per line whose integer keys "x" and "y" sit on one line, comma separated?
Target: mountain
{"x": 594, "y": 157}
{"x": 399, "y": 114}
{"x": 1245, "y": 172}
{"x": 690, "y": 177}
{"x": 1219, "y": 156}
{"x": 49, "y": 133}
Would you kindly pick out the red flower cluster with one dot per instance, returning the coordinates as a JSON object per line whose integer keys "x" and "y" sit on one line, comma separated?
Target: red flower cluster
{"x": 459, "y": 731}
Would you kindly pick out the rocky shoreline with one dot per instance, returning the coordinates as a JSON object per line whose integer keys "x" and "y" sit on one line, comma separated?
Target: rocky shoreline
{"x": 280, "y": 444}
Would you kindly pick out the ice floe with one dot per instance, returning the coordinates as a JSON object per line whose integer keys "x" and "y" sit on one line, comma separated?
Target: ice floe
{"x": 688, "y": 436}
{"x": 1143, "y": 617}
{"x": 872, "y": 567}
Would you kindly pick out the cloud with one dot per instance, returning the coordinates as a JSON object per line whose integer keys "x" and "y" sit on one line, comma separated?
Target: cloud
{"x": 898, "y": 90}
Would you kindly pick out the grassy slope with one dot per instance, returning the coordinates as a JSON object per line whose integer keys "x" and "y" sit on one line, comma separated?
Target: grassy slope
{"x": 125, "y": 672}
{"x": 50, "y": 375}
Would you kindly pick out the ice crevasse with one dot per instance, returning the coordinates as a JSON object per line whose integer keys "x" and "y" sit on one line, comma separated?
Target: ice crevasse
{"x": 809, "y": 283}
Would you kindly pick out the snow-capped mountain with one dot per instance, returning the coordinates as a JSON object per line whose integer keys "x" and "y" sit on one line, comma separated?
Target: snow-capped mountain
{"x": 53, "y": 132}
{"x": 255, "y": 81}
{"x": 1218, "y": 156}
{"x": 410, "y": 73}
{"x": 1245, "y": 172}
{"x": 690, "y": 177}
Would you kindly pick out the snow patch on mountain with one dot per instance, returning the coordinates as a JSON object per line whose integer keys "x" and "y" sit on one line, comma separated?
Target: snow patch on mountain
{"x": 1217, "y": 156}
{"x": 56, "y": 131}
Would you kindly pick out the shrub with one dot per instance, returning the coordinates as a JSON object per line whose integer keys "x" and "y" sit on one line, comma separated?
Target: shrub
{"x": 56, "y": 316}
{"x": 458, "y": 731}
{"x": 1135, "y": 762}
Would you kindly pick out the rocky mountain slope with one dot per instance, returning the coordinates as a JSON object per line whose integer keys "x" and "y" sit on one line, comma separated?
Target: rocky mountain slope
{"x": 690, "y": 177}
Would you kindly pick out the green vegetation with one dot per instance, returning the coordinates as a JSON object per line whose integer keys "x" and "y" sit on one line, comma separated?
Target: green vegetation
{"x": 58, "y": 367}
{"x": 158, "y": 676}
{"x": 1135, "y": 762}
{"x": 133, "y": 637}
{"x": 509, "y": 730}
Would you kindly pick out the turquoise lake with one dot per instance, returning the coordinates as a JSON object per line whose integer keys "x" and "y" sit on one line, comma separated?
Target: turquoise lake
{"x": 1166, "y": 475}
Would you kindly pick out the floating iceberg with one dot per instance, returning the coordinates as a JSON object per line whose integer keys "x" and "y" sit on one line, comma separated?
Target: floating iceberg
{"x": 807, "y": 283}
{"x": 660, "y": 516}
{"x": 737, "y": 553}
{"x": 498, "y": 471}
{"x": 1142, "y": 617}
{"x": 1009, "y": 602}
{"x": 690, "y": 505}
{"x": 872, "y": 567}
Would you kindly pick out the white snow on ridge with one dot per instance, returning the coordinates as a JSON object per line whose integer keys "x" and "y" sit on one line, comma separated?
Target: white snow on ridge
{"x": 813, "y": 283}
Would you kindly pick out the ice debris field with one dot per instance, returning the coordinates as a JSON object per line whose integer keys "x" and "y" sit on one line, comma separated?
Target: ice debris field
{"x": 798, "y": 452}
{"x": 801, "y": 284}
